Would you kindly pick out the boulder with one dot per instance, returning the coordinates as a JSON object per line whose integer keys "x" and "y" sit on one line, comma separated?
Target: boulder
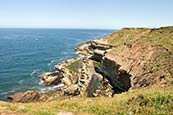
{"x": 51, "y": 78}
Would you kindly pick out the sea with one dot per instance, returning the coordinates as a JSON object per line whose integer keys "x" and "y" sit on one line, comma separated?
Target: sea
{"x": 25, "y": 54}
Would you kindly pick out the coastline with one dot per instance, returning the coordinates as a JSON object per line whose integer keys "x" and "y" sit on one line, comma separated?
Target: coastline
{"x": 104, "y": 68}
{"x": 36, "y": 52}
{"x": 68, "y": 86}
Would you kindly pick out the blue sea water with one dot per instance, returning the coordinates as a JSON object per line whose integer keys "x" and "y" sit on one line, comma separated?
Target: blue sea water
{"x": 27, "y": 53}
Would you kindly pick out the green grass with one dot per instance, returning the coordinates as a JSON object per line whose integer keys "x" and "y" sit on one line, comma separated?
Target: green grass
{"x": 23, "y": 110}
{"x": 74, "y": 66}
{"x": 152, "y": 100}
{"x": 12, "y": 108}
{"x": 96, "y": 64}
{"x": 159, "y": 40}
{"x": 158, "y": 37}
{"x": 125, "y": 36}
{"x": 146, "y": 101}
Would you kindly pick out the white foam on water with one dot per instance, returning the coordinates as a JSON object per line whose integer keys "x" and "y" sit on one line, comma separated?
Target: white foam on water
{"x": 66, "y": 53}
{"x": 21, "y": 82}
{"x": 41, "y": 82}
{"x": 51, "y": 64}
{"x": 76, "y": 52}
{"x": 52, "y": 61}
{"x": 7, "y": 92}
{"x": 51, "y": 87}
{"x": 58, "y": 86}
{"x": 34, "y": 72}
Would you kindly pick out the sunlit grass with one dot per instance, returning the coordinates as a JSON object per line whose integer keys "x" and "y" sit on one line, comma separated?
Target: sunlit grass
{"x": 150, "y": 100}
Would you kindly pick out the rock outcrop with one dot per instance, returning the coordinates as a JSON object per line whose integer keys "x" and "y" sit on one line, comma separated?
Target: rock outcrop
{"x": 129, "y": 59}
{"x": 51, "y": 78}
{"x": 25, "y": 97}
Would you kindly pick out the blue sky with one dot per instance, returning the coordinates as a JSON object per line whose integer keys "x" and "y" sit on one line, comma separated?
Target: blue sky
{"x": 85, "y": 13}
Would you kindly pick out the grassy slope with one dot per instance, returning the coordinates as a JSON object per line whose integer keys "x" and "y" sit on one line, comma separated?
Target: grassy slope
{"x": 161, "y": 36}
{"x": 159, "y": 40}
{"x": 149, "y": 100}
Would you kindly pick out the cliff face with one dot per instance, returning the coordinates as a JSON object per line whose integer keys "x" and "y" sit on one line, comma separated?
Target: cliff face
{"x": 146, "y": 54}
{"x": 128, "y": 59}
{"x": 135, "y": 57}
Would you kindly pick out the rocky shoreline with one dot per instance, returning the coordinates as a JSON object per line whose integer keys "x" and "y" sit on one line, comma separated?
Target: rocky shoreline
{"x": 103, "y": 69}
{"x": 80, "y": 76}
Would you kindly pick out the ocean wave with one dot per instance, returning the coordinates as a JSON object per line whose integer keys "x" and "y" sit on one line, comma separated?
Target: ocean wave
{"x": 21, "y": 82}
{"x": 77, "y": 52}
{"x": 7, "y": 92}
{"x": 41, "y": 82}
{"x": 67, "y": 53}
{"x": 51, "y": 64}
{"x": 45, "y": 89}
{"x": 61, "y": 59}
{"x": 36, "y": 72}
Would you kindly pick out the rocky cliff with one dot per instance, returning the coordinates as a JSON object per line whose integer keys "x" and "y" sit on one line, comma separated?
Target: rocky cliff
{"x": 125, "y": 60}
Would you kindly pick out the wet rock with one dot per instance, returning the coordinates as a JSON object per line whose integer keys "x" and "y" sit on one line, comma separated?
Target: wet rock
{"x": 51, "y": 95}
{"x": 29, "y": 96}
{"x": 53, "y": 78}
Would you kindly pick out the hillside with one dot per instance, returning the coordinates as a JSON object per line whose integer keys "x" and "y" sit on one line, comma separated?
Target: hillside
{"x": 127, "y": 72}
{"x": 146, "y": 54}
{"x": 155, "y": 100}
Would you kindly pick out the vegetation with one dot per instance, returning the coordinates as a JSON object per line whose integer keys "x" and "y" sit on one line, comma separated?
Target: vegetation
{"x": 157, "y": 37}
{"x": 74, "y": 66}
{"x": 146, "y": 101}
{"x": 96, "y": 63}
{"x": 151, "y": 100}
{"x": 154, "y": 48}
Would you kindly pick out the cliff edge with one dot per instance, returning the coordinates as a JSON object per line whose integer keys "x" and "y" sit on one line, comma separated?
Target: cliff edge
{"x": 129, "y": 59}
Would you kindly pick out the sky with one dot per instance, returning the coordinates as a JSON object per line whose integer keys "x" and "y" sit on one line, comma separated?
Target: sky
{"x": 101, "y": 14}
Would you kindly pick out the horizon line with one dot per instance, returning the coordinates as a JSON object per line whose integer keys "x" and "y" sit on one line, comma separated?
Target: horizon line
{"x": 84, "y": 28}
{"x": 59, "y": 28}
